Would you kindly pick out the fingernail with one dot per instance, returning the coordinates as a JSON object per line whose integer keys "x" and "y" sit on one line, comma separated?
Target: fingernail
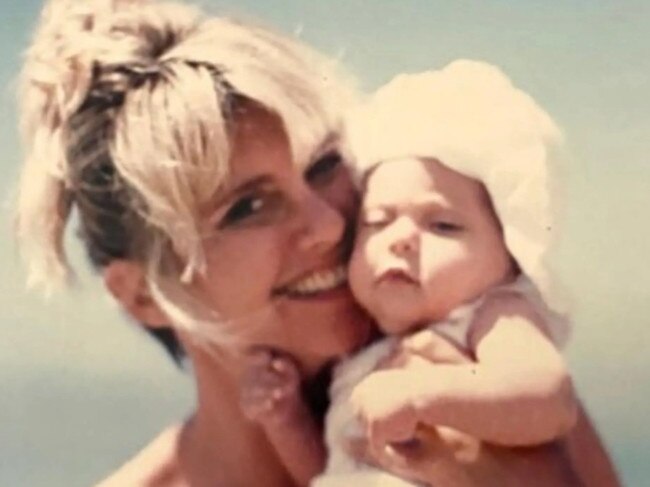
{"x": 278, "y": 365}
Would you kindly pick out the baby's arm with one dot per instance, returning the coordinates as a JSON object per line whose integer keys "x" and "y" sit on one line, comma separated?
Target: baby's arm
{"x": 271, "y": 397}
{"x": 517, "y": 393}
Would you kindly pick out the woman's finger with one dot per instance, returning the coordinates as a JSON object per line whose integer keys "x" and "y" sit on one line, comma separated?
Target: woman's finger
{"x": 286, "y": 368}
{"x": 429, "y": 458}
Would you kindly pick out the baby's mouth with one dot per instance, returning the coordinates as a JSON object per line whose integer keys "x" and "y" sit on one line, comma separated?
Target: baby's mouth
{"x": 314, "y": 283}
{"x": 397, "y": 276}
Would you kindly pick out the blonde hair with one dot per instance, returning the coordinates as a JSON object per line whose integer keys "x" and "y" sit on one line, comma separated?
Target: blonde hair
{"x": 126, "y": 110}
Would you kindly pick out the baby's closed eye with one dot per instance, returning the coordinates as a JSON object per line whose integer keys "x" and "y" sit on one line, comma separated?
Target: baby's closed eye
{"x": 444, "y": 226}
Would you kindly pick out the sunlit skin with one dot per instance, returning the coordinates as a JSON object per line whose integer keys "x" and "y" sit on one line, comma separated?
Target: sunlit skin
{"x": 273, "y": 225}
{"x": 427, "y": 242}
{"x": 298, "y": 217}
{"x": 448, "y": 219}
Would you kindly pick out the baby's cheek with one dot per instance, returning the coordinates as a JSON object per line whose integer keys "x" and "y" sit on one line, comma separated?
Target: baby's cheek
{"x": 440, "y": 254}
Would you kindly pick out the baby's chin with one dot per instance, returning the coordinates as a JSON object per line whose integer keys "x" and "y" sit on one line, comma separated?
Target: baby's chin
{"x": 391, "y": 323}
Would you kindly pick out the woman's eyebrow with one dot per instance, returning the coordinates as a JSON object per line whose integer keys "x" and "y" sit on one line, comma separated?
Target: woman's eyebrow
{"x": 329, "y": 143}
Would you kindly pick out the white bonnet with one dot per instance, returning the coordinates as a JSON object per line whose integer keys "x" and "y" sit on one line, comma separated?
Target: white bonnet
{"x": 471, "y": 118}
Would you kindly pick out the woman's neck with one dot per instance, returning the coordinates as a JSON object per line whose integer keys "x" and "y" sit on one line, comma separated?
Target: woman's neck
{"x": 219, "y": 446}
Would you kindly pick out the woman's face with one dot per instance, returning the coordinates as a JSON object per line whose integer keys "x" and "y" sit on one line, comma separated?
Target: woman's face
{"x": 277, "y": 248}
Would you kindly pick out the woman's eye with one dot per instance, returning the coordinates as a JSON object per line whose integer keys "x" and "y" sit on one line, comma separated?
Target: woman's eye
{"x": 242, "y": 209}
{"x": 323, "y": 168}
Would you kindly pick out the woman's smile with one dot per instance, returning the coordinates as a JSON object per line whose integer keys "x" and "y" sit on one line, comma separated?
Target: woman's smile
{"x": 315, "y": 284}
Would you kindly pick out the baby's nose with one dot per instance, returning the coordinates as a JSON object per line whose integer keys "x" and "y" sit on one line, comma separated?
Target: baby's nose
{"x": 405, "y": 236}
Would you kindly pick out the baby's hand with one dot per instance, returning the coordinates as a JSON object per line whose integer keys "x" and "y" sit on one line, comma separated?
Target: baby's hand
{"x": 383, "y": 408}
{"x": 270, "y": 389}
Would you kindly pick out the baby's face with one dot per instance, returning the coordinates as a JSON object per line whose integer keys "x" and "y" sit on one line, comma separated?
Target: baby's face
{"x": 428, "y": 241}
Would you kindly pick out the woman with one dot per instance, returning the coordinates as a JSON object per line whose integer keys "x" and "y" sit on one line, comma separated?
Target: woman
{"x": 200, "y": 157}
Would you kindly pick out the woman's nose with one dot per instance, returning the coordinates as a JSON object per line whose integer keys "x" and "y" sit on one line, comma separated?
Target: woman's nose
{"x": 404, "y": 237}
{"x": 321, "y": 224}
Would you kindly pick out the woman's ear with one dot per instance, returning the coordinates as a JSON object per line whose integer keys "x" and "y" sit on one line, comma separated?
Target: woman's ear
{"x": 126, "y": 281}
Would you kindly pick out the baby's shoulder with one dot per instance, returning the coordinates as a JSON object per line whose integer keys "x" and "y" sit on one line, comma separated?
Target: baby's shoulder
{"x": 508, "y": 307}
{"x": 157, "y": 465}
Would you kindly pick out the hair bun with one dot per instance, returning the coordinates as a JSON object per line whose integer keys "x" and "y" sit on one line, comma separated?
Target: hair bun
{"x": 73, "y": 39}
{"x": 75, "y": 35}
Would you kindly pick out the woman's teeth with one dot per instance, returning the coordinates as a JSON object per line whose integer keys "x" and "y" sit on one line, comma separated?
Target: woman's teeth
{"x": 318, "y": 282}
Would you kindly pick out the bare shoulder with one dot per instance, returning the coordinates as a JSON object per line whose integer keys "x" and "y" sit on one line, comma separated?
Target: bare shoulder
{"x": 157, "y": 465}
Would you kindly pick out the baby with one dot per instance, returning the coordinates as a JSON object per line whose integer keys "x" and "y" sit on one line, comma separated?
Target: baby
{"x": 452, "y": 235}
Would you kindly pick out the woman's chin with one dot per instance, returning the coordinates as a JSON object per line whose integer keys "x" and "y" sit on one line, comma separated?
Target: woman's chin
{"x": 358, "y": 332}
{"x": 325, "y": 327}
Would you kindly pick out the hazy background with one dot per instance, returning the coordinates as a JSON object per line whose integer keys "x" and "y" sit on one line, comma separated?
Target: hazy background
{"x": 82, "y": 389}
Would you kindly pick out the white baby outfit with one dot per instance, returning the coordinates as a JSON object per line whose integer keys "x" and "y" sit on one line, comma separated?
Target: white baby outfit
{"x": 341, "y": 425}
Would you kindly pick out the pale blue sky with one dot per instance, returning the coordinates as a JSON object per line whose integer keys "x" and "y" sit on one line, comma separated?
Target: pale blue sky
{"x": 82, "y": 389}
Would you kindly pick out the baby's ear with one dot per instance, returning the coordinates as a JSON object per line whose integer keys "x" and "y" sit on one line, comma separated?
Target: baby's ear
{"x": 125, "y": 280}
